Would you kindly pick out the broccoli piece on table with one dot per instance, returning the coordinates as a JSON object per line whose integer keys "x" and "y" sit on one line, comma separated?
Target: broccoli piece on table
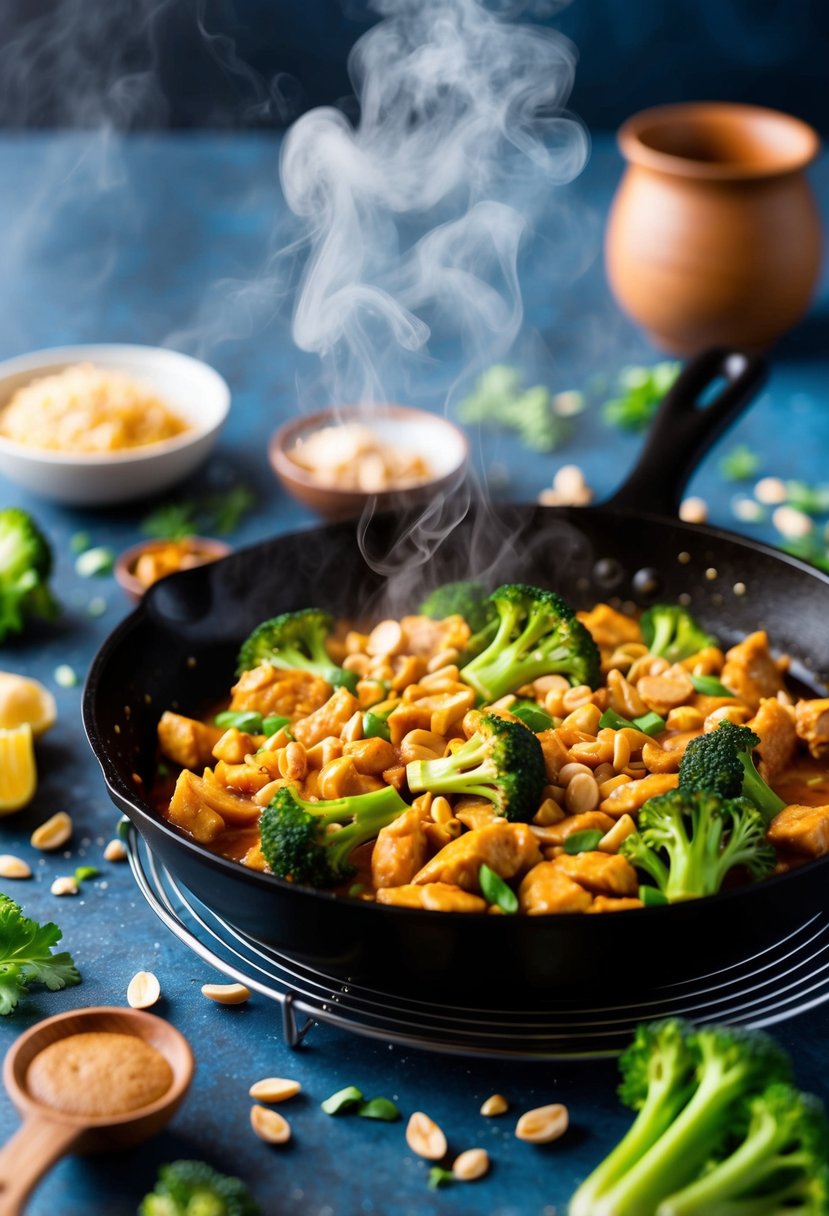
{"x": 501, "y": 761}
{"x": 311, "y": 842}
{"x": 537, "y": 635}
{"x": 25, "y": 567}
{"x": 295, "y": 640}
{"x": 690, "y": 1088}
{"x": 670, "y": 631}
{"x": 722, "y": 761}
{"x": 192, "y": 1188}
{"x": 688, "y": 841}
{"x": 778, "y": 1166}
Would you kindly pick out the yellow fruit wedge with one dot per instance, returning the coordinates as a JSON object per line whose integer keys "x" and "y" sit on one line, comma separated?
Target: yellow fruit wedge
{"x": 18, "y": 774}
{"x": 24, "y": 700}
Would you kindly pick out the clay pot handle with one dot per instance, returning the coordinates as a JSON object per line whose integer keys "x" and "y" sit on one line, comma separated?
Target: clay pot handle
{"x": 687, "y": 424}
{"x": 32, "y": 1150}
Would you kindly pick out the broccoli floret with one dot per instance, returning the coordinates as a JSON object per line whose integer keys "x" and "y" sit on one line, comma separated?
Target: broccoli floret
{"x": 25, "y": 567}
{"x": 778, "y": 1166}
{"x": 688, "y": 841}
{"x": 722, "y": 761}
{"x": 311, "y": 842}
{"x": 192, "y": 1188}
{"x": 470, "y": 600}
{"x": 295, "y": 640}
{"x": 538, "y": 635}
{"x": 669, "y": 630}
{"x": 501, "y": 761}
{"x": 689, "y": 1086}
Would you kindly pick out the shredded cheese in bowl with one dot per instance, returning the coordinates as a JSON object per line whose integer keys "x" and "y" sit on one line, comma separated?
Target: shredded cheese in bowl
{"x": 88, "y": 409}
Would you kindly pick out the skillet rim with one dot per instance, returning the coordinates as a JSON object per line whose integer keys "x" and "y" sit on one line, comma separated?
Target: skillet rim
{"x": 124, "y": 797}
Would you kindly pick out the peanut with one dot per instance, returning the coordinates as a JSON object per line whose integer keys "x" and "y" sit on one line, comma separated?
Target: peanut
{"x": 471, "y": 1164}
{"x": 424, "y": 1137}
{"x": 64, "y": 886}
{"x": 53, "y": 833}
{"x": 582, "y": 794}
{"x": 226, "y": 994}
{"x": 274, "y": 1089}
{"x": 115, "y": 851}
{"x": 543, "y": 1124}
{"x": 385, "y": 639}
{"x": 143, "y": 991}
{"x": 269, "y": 1125}
{"x": 575, "y": 697}
{"x": 14, "y": 867}
{"x": 495, "y": 1104}
{"x": 620, "y": 831}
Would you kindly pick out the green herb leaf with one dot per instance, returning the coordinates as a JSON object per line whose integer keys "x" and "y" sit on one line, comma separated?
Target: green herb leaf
{"x": 171, "y": 521}
{"x": 710, "y": 686}
{"x": 582, "y": 842}
{"x": 379, "y": 1108}
{"x": 532, "y": 715}
{"x": 613, "y": 721}
{"x": 245, "y": 720}
{"x": 356, "y": 889}
{"x": 85, "y": 872}
{"x": 225, "y": 511}
{"x": 652, "y": 898}
{"x": 342, "y": 1100}
{"x": 438, "y": 1176}
{"x": 740, "y": 463}
{"x": 79, "y": 542}
{"x": 26, "y": 957}
{"x": 495, "y": 890}
{"x": 94, "y": 562}
{"x": 639, "y": 392}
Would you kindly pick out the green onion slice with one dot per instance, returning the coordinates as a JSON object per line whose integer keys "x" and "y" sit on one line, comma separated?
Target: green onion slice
{"x": 495, "y": 890}
{"x": 342, "y": 1100}
{"x": 582, "y": 842}
{"x": 710, "y": 686}
{"x": 379, "y": 1108}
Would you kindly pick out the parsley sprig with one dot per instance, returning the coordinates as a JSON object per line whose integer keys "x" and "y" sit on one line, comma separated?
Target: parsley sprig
{"x": 26, "y": 956}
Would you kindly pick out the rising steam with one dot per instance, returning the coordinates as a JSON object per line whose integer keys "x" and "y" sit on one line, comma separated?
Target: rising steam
{"x": 415, "y": 215}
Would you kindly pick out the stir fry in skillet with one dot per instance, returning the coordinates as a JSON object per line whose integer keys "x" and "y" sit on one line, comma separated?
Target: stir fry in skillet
{"x": 501, "y": 752}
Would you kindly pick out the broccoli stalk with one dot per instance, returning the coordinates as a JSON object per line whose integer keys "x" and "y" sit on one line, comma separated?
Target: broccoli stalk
{"x": 311, "y": 842}
{"x": 778, "y": 1166}
{"x": 537, "y": 635}
{"x": 501, "y": 761}
{"x": 25, "y": 567}
{"x": 670, "y": 631}
{"x": 192, "y": 1188}
{"x": 722, "y": 761}
{"x": 688, "y": 1102}
{"x": 295, "y": 640}
{"x": 703, "y": 836}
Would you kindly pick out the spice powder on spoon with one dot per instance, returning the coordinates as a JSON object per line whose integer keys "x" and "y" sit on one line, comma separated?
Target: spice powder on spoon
{"x": 98, "y": 1073}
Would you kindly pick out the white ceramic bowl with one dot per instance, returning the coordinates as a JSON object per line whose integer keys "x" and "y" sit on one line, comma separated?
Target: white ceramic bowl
{"x": 193, "y": 390}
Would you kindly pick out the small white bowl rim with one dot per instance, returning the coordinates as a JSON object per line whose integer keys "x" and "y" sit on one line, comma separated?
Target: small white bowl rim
{"x": 295, "y": 427}
{"x": 59, "y": 356}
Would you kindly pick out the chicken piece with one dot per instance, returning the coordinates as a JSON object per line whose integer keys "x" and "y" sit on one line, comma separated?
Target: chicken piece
{"x": 750, "y": 671}
{"x": 186, "y": 741}
{"x": 601, "y": 873}
{"x": 475, "y": 812}
{"x": 371, "y": 756}
{"x": 329, "y": 719}
{"x": 774, "y": 725}
{"x": 243, "y": 779}
{"x": 425, "y": 637}
{"x": 555, "y": 752}
{"x": 279, "y": 692}
{"x": 629, "y": 798}
{"x": 510, "y": 849}
{"x": 557, "y": 833}
{"x": 602, "y": 903}
{"x": 803, "y": 829}
{"x": 812, "y": 724}
{"x": 609, "y": 628}
{"x": 234, "y": 745}
{"x": 401, "y": 849}
{"x": 433, "y": 896}
{"x": 203, "y": 808}
{"x": 547, "y": 889}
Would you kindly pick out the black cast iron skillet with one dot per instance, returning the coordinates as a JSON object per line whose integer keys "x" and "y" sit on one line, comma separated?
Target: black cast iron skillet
{"x": 177, "y": 650}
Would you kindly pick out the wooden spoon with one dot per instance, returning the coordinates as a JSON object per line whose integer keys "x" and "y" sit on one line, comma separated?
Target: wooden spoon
{"x": 48, "y": 1134}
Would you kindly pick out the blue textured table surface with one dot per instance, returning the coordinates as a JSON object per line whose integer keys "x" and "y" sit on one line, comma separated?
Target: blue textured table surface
{"x": 160, "y": 239}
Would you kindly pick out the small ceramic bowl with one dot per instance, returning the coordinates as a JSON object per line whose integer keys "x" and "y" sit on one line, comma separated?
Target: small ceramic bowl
{"x": 193, "y": 390}
{"x": 442, "y": 445}
{"x": 198, "y": 549}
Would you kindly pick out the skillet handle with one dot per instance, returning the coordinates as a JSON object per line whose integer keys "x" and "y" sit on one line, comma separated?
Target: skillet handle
{"x": 684, "y": 428}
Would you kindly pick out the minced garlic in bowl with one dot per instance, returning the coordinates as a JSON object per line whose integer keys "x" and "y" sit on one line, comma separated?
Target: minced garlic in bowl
{"x": 88, "y": 409}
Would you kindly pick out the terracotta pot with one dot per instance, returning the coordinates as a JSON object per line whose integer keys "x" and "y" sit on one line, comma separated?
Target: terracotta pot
{"x": 714, "y": 236}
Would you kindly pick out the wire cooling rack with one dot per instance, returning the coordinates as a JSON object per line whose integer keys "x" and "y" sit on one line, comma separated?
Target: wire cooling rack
{"x": 787, "y": 978}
